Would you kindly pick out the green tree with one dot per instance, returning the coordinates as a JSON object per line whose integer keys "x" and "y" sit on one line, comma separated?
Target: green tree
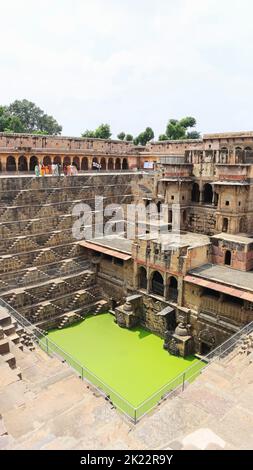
{"x": 88, "y": 133}
{"x": 178, "y": 129}
{"x": 162, "y": 137}
{"x": 193, "y": 135}
{"x": 33, "y": 118}
{"x": 121, "y": 136}
{"x": 9, "y": 123}
{"x": 48, "y": 125}
{"x": 144, "y": 136}
{"x": 102, "y": 132}
{"x": 129, "y": 138}
{"x": 40, "y": 132}
{"x": 188, "y": 121}
{"x": 175, "y": 131}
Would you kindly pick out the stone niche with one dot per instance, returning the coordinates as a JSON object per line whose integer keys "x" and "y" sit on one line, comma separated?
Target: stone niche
{"x": 179, "y": 343}
{"x": 128, "y": 315}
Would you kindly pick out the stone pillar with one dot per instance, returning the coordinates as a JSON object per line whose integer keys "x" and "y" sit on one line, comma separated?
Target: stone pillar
{"x": 201, "y": 193}
{"x": 180, "y": 291}
{"x": 166, "y": 287}
{"x": 149, "y": 286}
{"x": 4, "y": 164}
{"x": 213, "y": 199}
{"x": 16, "y": 162}
{"x": 135, "y": 276}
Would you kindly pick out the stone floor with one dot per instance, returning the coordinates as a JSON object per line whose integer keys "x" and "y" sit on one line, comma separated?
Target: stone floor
{"x": 50, "y": 408}
{"x": 224, "y": 274}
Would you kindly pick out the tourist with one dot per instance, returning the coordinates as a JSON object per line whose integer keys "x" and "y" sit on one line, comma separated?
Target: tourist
{"x": 74, "y": 170}
{"x": 42, "y": 170}
{"x": 65, "y": 170}
{"x": 37, "y": 170}
{"x": 55, "y": 170}
{"x": 59, "y": 169}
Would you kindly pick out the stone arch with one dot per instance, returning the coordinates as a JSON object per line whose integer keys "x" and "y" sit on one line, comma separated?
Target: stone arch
{"x": 195, "y": 192}
{"x": 208, "y": 193}
{"x": 225, "y": 224}
{"x": 11, "y": 164}
{"x": 33, "y": 163}
{"x": 142, "y": 278}
{"x": 47, "y": 160}
{"x": 110, "y": 164}
{"x": 117, "y": 164}
{"x": 57, "y": 160}
{"x": 206, "y": 341}
{"x": 228, "y": 257}
{"x": 248, "y": 149}
{"x": 76, "y": 162}
{"x": 124, "y": 164}
{"x": 22, "y": 163}
{"x": 103, "y": 163}
{"x": 173, "y": 288}
{"x": 84, "y": 164}
{"x": 157, "y": 284}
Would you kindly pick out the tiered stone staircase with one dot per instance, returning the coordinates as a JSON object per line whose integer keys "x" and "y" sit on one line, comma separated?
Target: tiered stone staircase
{"x": 43, "y": 272}
{"x": 12, "y": 333}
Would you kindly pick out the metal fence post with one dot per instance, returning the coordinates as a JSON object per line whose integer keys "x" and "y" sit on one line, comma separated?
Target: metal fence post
{"x": 183, "y": 381}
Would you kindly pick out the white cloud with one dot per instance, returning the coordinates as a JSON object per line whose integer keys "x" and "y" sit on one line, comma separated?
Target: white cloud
{"x": 131, "y": 63}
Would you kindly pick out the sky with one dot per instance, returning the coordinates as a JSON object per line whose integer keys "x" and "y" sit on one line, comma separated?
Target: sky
{"x": 130, "y": 63}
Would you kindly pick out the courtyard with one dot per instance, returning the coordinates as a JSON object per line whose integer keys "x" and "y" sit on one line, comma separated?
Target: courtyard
{"x": 130, "y": 366}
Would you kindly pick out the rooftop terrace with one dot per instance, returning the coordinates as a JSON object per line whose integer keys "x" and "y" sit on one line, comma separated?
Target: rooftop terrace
{"x": 225, "y": 275}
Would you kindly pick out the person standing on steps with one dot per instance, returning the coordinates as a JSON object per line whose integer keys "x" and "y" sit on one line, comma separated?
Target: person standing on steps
{"x": 37, "y": 170}
{"x": 59, "y": 169}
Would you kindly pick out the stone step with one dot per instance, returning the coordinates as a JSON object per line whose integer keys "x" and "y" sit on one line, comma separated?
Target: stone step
{"x": 4, "y": 346}
{"x": 19, "y": 330}
{"x": 5, "y": 318}
{"x": 9, "y": 329}
{"x": 15, "y": 338}
{"x": 10, "y": 359}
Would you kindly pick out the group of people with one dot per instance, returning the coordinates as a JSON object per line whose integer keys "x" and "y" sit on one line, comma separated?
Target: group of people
{"x": 55, "y": 169}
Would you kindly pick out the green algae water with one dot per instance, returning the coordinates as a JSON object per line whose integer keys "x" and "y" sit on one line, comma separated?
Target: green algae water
{"x": 131, "y": 362}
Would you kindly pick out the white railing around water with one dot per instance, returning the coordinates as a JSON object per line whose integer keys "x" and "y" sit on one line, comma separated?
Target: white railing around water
{"x": 170, "y": 389}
